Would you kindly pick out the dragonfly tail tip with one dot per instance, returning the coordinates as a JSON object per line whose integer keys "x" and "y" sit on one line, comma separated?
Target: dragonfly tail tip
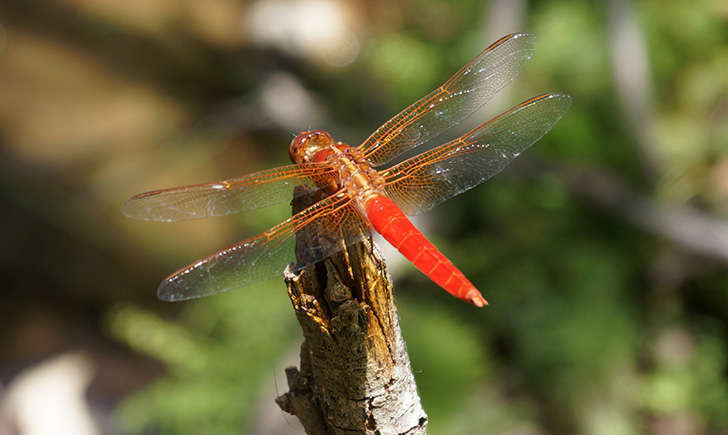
{"x": 477, "y": 299}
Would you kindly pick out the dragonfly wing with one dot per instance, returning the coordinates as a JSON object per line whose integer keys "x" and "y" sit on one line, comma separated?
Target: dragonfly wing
{"x": 464, "y": 93}
{"x": 260, "y": 189}
{"x": 423, "y": 181}
{"x": 330, "y": 225}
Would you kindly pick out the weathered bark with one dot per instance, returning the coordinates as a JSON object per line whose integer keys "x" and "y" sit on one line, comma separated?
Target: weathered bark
{"x": 355, "y": 375}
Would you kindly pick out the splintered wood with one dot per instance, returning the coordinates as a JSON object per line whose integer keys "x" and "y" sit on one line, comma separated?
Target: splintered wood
{"x": 355, "y": 374}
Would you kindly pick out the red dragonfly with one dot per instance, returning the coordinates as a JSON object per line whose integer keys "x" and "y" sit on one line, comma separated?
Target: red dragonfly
{"x": 364, "y": 187}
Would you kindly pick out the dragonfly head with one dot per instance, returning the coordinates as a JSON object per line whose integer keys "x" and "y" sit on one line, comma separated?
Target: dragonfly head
{"x": 305, "y": 146}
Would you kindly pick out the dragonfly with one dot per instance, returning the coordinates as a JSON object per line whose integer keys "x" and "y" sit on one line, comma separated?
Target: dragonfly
{"x": 373, "y": 186}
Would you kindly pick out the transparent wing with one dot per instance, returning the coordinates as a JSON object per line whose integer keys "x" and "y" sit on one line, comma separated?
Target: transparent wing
{"x": 423, "y": 181}
{"x": 464, "y": 93}
{"x": 260, "y": 189}
{"x": 330, "y": 225}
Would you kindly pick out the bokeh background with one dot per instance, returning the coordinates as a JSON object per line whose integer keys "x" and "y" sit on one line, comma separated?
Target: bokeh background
{"x": 602, "y": 250}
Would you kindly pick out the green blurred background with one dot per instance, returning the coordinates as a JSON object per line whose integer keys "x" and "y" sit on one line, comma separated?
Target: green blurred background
{"x": 602, "y": 250}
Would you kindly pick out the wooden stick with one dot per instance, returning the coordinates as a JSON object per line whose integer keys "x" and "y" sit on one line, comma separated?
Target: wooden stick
{"x": 355, "y": 374}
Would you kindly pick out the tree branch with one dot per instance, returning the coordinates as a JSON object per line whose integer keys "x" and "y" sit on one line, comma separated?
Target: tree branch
{"x": 685, "y": 226}
{"x": 355, "y": 374}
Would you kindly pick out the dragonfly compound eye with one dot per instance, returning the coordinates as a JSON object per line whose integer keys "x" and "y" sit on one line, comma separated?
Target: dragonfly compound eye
{"x": 307, "y": 144}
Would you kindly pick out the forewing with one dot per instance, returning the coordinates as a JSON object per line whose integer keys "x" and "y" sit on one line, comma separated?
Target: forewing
{"x": 330, "y": 225}
{"x": 422, "y": 182}
{"x": 464, "y": 93}
{"x": 260, "y": 189}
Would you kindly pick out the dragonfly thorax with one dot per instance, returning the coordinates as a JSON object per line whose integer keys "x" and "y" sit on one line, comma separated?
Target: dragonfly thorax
{"x": 355, "y": 174}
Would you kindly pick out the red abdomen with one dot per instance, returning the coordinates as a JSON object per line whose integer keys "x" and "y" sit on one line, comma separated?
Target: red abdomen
{"x": 393, "y": 225}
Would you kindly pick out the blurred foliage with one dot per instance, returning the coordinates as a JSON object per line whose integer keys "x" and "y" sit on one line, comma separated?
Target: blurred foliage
{"x": 595, "y": 326}
{"x": 208, "y": 350}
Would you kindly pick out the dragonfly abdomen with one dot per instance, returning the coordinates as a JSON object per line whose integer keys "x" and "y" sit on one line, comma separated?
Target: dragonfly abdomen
{"x": 393, "y": 225}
